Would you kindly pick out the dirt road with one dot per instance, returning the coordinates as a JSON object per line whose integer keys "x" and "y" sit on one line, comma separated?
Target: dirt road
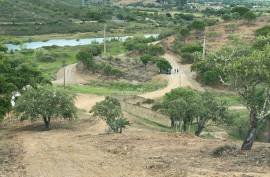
{"x": 185, "y": 78}
{"x": 135, "y": 153}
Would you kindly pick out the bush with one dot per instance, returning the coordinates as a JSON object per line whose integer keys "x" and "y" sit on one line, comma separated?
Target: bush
{"x": 43, "y": 55}
{"x": 198, "y": 25}
{"x": 163, "y": 65}
{"x": 187, "y": 58}
{"x": 136, "y": 44}
{"x": 95, "y": 50}
{"x": 87, "y": 59}
{"x": 110, "y": 111}
{"x": 110, "y": 71}
{"x": 155, "y": 50}
{"x": 211, "y": 22}
{"x": 187, "y": 17}
{"x": 145, "y": 59}
{"x": 210, "y": 78}
{"x": 264, "y": 31}
{"x": 261, "y": 42}
{"x": 240, "y": 10}
{"x": 189, "y": 52}
{"x": 249, "y": 16}
{"x": 3, "y": 48}
{"x": 227, "y": 17}
{"x": 191, "y": 48}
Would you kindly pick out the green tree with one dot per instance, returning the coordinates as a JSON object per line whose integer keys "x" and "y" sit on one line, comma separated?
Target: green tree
{"x": 154, "y": 50}
{"x": 86, "y": 58}
{"x": 163, "y": 65}
{"x": 46, "y": 103}
{"x": 184, "y": 33}
{"x": 186, "y": 107}
{"x": 250, "y": 16}
{"x": 250, "y": 76}
{"x": 199, "y": 26}
{"x": 241, "y": 10}
{"x": 110, "y": 111}
{"x": 209, "y": 109}
{"x": 145, "y": 59}
{"x": 3, "y": 48}
{"x": 14, "y": 76}
{"x": 95, "y": 50}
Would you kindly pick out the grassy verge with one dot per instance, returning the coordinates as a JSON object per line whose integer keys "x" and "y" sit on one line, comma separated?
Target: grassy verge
{"x": 231, "y": 99}
{"x": 115, "y": 88}
{"x": 142, "y": 121}
{"x": 239, "y": 126}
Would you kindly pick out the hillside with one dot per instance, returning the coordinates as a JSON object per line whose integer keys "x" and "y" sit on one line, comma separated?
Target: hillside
{"x": 37, "y": 10}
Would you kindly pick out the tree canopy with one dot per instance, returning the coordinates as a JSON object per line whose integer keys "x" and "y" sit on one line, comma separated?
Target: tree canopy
{"x": 110, "y": 111}
{"x": 187, "y": 107}
{"x": 46, "y": 103}
{"x": 15, "y": 74}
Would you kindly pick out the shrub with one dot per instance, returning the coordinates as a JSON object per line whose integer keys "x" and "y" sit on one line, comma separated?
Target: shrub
{"x": 198, "y": 25}
{"x": 110, "y": 111}
{"x": 110, "y": 71}
{"x": 187, "y": 17}
{"x": 187, "y": 58}
{"x": 145, "y": 59}
{"x": 3, "y": 48}
{"x": 87, "y": 59}
{"x": 43, "y": 55}
{"x": 240, "y": 10}
{"x": 189, "y": 52}
{"x": 264, "y": 31}
{"x": 155, "y": 50}
{"x": 261, "y": 42}
{"x": 163, "y": 65}
{"x": 210, "y": 78}
{"x": 192, "y": 48}
{"x": 249, "y": 16}
{"x": 95, "y": 50}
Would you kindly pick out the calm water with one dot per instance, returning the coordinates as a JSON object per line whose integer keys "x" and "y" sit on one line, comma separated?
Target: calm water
{"x": 68, "y": 42}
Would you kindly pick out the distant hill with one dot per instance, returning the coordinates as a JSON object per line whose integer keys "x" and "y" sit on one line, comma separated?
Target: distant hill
{"x": 29, "y": 10}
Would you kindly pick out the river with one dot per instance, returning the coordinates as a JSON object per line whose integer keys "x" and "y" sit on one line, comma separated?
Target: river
{"x": 68, "y": 42}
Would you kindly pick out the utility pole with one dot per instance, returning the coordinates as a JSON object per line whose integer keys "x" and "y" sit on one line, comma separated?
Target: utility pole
{"x": 64, "y": 66}
{"x": 204, "y": 46}
{"x": 105, "y": 49}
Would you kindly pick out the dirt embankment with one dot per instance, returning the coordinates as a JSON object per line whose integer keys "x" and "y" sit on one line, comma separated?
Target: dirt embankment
{"x": 81, "y": 151}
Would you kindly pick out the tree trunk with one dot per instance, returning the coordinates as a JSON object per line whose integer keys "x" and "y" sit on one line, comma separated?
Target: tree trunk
{"x": 268, "y": 130}
{"x": 120, "y": 130}
{"x": 172, "y": 123}
{"x": 47, "y": 122}
{"x": 251, "y": 136}
{"x": 199, "y": 130}
{"x": 185, "y": 125}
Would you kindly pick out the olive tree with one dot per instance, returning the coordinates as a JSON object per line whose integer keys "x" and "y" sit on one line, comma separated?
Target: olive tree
{"x": 47, "y": 103}
{"x": 110, "y": 111}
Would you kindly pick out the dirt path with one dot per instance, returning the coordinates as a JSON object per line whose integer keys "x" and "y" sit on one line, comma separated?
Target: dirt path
{"x": 182, "y": 79}
{"x": 80, "y": 153}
